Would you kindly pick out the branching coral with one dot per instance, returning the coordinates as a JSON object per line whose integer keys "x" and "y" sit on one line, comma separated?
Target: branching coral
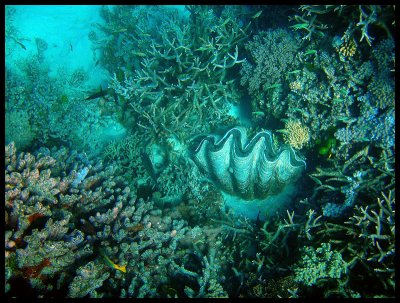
{"x": 46, "y": 243}
{"x": 359, "y": 19}
{"x": 371, "y": 249}
{"x": 181, "y": 82}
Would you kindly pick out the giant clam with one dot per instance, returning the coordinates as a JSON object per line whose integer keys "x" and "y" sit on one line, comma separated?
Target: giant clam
{"x": 252, "y": 170}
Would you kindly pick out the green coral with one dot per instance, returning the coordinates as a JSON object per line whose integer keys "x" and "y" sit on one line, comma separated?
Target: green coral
{"x": 320, "y": 263}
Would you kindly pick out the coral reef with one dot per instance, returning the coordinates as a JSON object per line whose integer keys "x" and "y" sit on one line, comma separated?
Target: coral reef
{"x": 149, "y": 187}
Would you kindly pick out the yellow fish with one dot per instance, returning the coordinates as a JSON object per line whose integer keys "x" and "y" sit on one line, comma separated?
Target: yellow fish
{"x": 111, "y": 263}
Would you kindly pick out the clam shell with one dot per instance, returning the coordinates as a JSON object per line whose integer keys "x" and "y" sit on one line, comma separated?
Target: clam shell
{"x": 249, "y": 170}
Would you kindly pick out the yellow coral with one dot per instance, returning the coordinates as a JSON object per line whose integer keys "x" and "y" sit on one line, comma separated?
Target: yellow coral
{"x": 295, "y": 86}
{"x": 349, "y": 48}
{"x": 296, "y": 134}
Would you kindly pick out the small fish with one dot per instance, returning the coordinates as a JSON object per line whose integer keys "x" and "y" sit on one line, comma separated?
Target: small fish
{"x": 144, "y": 35}
{"x": 310, "y": 52}
{"x": 101, "y": 93}
{"x": 148, "y": 165}
{"x": 134, "y": 229}
{"x": 299, "y": 25}
{"x": 277, "y": 85}
{"x": 346, "y": 119}
{"x": 19, "y": 43}
{"x": 258, "y": 114}
{"x": 226, "y": 21}
{"x": 70, "y": 45}
{"x": 111, "y": 263}
{"x": 258, "y": 14}
{"x": 121, "y": 30}
{"x": 140, "y": 54}
{"x": 202, "y": 48}
{"x": 295, "y": 71}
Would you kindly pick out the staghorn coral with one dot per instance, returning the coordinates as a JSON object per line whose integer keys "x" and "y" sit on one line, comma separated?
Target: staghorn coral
{"x": 209, "y": 280}
{"x": 358, "y": 19}
{"x": 374, "y": 226}
{"x": 366, "y": 241}
{"x": 181, "y": 81}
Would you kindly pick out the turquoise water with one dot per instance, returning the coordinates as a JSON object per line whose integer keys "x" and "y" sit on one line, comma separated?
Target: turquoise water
{"x": 199, "y": 151}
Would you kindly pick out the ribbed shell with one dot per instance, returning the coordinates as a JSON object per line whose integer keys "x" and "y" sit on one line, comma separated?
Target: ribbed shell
{"x": 251, "y": 171}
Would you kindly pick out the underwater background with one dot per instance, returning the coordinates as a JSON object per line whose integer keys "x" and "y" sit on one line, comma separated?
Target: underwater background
{"x": 200, "y": 151}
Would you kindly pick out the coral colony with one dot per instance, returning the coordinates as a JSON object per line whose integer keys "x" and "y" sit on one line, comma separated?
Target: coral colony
{"x": 200, "y": 151}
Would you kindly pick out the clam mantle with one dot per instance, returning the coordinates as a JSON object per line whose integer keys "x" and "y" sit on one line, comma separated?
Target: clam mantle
{"x": 250, "y": 170}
